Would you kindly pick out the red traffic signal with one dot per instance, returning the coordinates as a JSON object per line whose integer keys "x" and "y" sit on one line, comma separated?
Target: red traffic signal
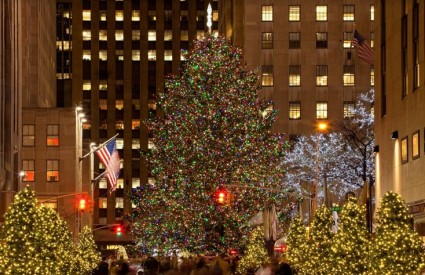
{"x": 118, "y": 230}
{"x": 221, "y": 196}
{"x": 82, "y": 203}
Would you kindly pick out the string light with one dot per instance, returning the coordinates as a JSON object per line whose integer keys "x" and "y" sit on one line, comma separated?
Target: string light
{"x": 255, "y": 253}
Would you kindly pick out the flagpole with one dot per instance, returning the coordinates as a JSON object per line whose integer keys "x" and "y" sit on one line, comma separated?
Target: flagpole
{"x": 98, "y": 147}
{"x": 96, "y": 178}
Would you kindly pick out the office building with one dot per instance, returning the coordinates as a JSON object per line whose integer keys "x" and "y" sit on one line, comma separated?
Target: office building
{"x": 399, "y": 103}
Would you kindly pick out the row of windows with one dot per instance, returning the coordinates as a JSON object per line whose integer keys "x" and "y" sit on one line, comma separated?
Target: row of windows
{"x": 294, "y": 15}
{"x": 321, "y": 40}
{"x": 321, "y": 110}
{"x": 294, "y": 75}
{"x": 52, "y": 135}
{"x": 52, "y": 170}
{"x": 135, "y": 55}
{"x": 415, "y": 144}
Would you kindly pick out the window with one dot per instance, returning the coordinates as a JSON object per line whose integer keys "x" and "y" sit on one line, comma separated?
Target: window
{"x": 415, "y": 27}
{"x": 347, "y": 40}
{"x": 267, "y": 40}
{"x": 200, "y": 35}
{"x": 184, "y": 35}
{"x": 119, "y": 35}
{"x": 135, "y": 142}
{"x": 52, "y": 135}
{"x": 294, "y": 110}
{"x": 103, "y": 85}
{"x": 415, "y": 145}
{"x": 322, "y": 110}
{"x": 86, "y": 15}
{"x": 321, "y": 40}
{"x": 120, "y": 183}
{"x": 28, "y": 137}
{"x": 103, "y": 104}
{"x": 86, "y": 85}
{"x": 52, "y": 173}
{"x": 294, "y": 40}
{"x": 152, "y": 15}
{"x": 348, "y": 76}
{"x": 348, "y": 13}
{"x": 348, "y": 109}
{"x": 119, "y": 15}
{"x": 103, "y": 202}
{"x": 119, "y": 125}
{"x": 103, "y": 184}
{"x": 86, "y": 55}
{"x": 135, "y": 55}
{"x": 119, "y": 104}
{"x": 119, "y": 202}
{"x": 404, "y": 146}
{"x": 372, "y": 13}
{"x": 321, "y": 13}
{"x": 135, "y": 15}
{"x": 168, "y": 35}
{"x": 28, "y": 168}
{"x": 102, "y": 15}
{"x": 294, "y": 75}
{"x": 152, "y": 55}
{"x": 103, "y": 35}
{"x": 267, "y": 75}
{"x": 372, "y": 76}
{"x": 168, "y": 55}
{"x": 135, "y": 182}
{"x": 267, "y": 13}
{"x": 322, "y": 75}
{"x": 151, "y": 35}
{"x": 86, "y": 35}
{"x": 135, "y": 124}
{"x": 119, "y": 55}
{"x": 294, "y": 13}
{"x": 372, "y": 39}
{"x": 135, "y": 35}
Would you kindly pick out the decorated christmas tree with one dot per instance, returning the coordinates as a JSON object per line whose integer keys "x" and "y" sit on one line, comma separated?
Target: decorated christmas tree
{"x": 320, "y": 242}
{"x": 297, "y": 241}
{"x": 18, "y": 236}
{"x": 350, "y": 246}
{"x": 396, "y": 249}
{"x": 255, "y": 253}
{"x": 213, "y": 134}
{"x": 87, "y": 255}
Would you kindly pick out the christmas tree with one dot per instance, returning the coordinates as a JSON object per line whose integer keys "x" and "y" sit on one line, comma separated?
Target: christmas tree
{"x": 396, "y": 249}
{"x": 297, "y": 241}
{"x": 320, "y": 242}
{"x": 87, "y": 256}
{"x": 255, "y": 253}
{"x": 214, "y": 133}
{"x": 18, "y": 235}
{"x": 350, "y": 247}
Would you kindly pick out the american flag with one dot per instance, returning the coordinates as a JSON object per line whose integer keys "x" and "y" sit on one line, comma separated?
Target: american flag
{"x": 364, "y": 51}
{"x": 110, "y": 158}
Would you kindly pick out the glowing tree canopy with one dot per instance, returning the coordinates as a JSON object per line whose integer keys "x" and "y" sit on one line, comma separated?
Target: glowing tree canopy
{"x": 87, "y": 256}
{"x": 255, "y": 252}
{"x": 214, "y": 132}
{"x": 297, "y": 241}
{"x": 350, "y": 245}
{"x": 397, "y": 249}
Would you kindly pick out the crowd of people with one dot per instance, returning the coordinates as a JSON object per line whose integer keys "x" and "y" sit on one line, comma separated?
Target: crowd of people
{"x": 199, "y": 265}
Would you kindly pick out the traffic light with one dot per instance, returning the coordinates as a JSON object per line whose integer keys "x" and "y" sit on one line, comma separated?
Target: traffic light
{"x": 118, "y": 230}
{"x": 221, "y": 196}
{"x": 82, "y": 203}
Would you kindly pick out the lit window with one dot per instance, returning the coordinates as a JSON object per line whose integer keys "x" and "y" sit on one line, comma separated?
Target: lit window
{"x": 151, "y": 104}
{"x": 119, "y": 35}
{"x": 348, "y": 13}
{"x": 103, "y": 202}
{"x": 184, "y": 35}
{"x": 135, "y": 143}
{"x": 348, "y": 109}
{"x": 119, "y": 202}
{"x": 267, "y": 40}
{"x": 120, "y": 183}
{"x": 348, "y": 76}
{"x": 267, "y": 76}
{"x": 119, "y": 15}
{"x": 62, "y": 45}
{"x": 86, "y": 55}
{"x": 135, "y": 35}
{"x": 86, "y": 15}
{"x": 28, "y": 168}
{"x": 168, "y": 35}
{"x": 103, "y": 85}
{"x": 200, "y": 34}
{"x": 102, "y": 15}
{"x": 103, "y": 35}
{"x": 372, "y": 13}
{"x": 120, "y": 143}
{"x": 28, "y": 136}
{"x": 135, "y": 15}
{"x": 152, "y": 15}
{"x": 103, "y": 104}
{"x": 372, "y": 39}
{"x": 168, "y": 55}
{"x": 267, "y": 13}
{"x": 215, "y": 16}
{"x": 103, "y": 55}
{"x": 415, "y": 145}
{"x": 86, "y": 126}
{"x": 135, "y": 182}
{"x": 294, "y": 40}
{"x": 321, "y": 110}
{"x": 404, "y": 148}
{"x": 86, "y": 35}
{"x": 321, "y": 40}
{"x": 103, "y": 183}
{"x": 294, "y": 110}
{"x": 119, "y": 104}
{"x": 52, "y": 173}
{"x": 86, "y": 85}
{"x": 321, "y": 13}
{"x": 119, "y": 125}
{"x": 52, "y": 135}
{"x": 372, "y": 76}
{"x": 321, "y": 75}
{"x": 294, "y": 13}
{"x": 119, "y": 55}
{"x": 151, "y": 35}
{"x": 347, "y": 40}
{"x": 135, "y": 124}
{"x": 135, "y": 55}
{"x": 294, "y": 75}
{"x": 135, "y": 104}
{"x": 152, "y": 55}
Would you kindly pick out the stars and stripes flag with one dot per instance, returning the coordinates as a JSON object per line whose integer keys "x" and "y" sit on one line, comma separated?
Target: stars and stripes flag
{"x": 364, "y": 51}
{"x": 110, "y": 158}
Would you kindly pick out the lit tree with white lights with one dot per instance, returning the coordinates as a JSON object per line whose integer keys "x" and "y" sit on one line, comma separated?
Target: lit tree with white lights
{"x": 87, "y": 256}
{"x": 397, "y": 248}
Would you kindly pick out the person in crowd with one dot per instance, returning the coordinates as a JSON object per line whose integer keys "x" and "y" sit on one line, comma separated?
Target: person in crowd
{"x": 151, "y": 266}
{"x": 283, "y": 269}
{"x": 102, "y": 268}
{"x": 201, "y": 267}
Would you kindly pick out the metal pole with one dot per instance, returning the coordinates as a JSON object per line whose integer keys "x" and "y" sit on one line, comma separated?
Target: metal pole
{"x": 98, "y": 147}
